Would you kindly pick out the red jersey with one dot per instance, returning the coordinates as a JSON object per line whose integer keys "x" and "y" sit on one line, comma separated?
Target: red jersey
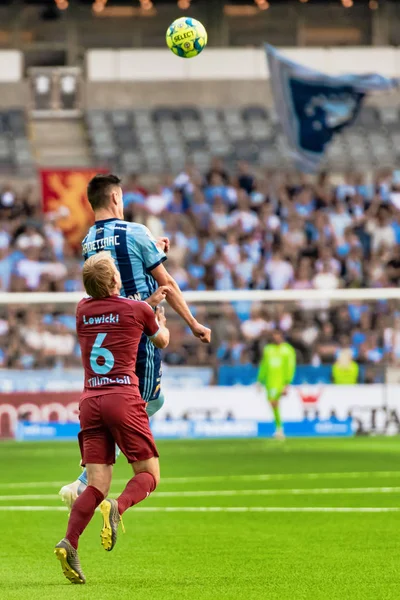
{"x": 109, "y": 332}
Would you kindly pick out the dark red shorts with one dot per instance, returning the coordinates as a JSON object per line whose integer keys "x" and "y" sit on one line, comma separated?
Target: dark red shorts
{"x": 114, "y": 419}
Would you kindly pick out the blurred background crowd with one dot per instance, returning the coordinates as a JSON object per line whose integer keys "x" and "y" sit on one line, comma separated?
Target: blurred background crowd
{"x": 228, "y": 230}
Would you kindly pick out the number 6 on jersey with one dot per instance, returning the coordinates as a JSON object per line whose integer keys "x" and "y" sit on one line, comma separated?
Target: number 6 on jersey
{"x": 97, "y": 351}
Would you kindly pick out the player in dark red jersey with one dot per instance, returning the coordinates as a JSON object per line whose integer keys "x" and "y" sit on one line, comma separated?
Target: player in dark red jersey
{"x": 111, "y": 410}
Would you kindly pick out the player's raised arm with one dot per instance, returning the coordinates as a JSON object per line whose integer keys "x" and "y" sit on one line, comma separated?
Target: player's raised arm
{"x": 176, "y": 301}
{"x": 154, "y": 257}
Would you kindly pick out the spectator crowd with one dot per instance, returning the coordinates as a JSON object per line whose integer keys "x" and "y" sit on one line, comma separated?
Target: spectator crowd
{"x": 227, "y": 232}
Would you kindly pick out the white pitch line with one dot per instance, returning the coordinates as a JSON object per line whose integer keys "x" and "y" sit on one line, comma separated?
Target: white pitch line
{"x": 222, "y": 478}
{"x": 277, "y": 492}
{"x": 271, "y": 509}
{"x": 228, "y": 509}
{"x": 215, "y": 493}
{"x": 33, "y": 508}
{"x": 29, "y": 497}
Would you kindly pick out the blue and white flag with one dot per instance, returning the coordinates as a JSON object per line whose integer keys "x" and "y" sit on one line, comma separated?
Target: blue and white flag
{"x": 312, "y": 107}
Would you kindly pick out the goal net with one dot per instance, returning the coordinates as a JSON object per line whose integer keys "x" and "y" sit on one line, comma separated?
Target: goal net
{"x": 347, "y": 345}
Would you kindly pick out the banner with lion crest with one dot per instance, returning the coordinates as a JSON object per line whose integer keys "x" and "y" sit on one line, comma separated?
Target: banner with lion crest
{"x": 64, "y": 195}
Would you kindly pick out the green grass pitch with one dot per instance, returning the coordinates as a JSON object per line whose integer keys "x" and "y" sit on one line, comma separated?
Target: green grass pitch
{"x": 232, "y": 519}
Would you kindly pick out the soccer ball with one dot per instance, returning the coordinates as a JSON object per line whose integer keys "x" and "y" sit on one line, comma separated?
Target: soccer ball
{"x": 186, "y": 37}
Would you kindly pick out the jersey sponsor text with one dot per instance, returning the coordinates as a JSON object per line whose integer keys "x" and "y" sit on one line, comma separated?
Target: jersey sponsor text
{"x": 99, "y": 381}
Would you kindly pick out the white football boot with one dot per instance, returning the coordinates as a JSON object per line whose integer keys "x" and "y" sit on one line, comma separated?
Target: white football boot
{"x": 70, "y": 492}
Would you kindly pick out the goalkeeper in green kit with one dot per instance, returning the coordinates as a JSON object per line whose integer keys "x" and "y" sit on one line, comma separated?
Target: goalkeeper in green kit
{"x": 276, "y": 372}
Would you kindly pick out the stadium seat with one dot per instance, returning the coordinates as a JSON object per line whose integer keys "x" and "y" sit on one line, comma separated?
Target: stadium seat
{"x": 105, "y": 151}
{"x": 164, "y": 114}
{"x": 23, "y": 160}
{"x": 102, "y": 137}
{"x": 153, "y": 158}
{"x": 131, "y": 162}
{"x": 367, "y": 118}
{"x": 5, "y": 148}
{"x": 337, "y": 153}
{"x": 381, "y": 148}
{"x": 245, "y": 150}
{"x": 188, "y": 112}
{"x": 96, "y": 119}
{"x": 3, "y": 123}
{"x": 201, "y": 159}
{"x": 121, "y": 118}
{"x": 221, "y": 148}
{"x": 191, "y": 129}
{"x": 16, "y": 122}
{"x": 124, "y": 138}
{"x": 235, "y": 127}
{"x": 176, "y": 155}
{"x": 146, "y": 136}
{"x": 268, "y": 157}
{"x": 251, "y": 113}
{"x": 389, "y": 115}
{"x": 215, "y": 136}
{"x": 209, "y": 115}
{"x": 194, "y": 145}
{"x": 395, "y": 138}
{"x": 142, "y": 119}
{"x": 22, "y": 153}
{"x": 169, "y": 132}
{"x": 260, "y": 129}
{"x": 358, "y": 146}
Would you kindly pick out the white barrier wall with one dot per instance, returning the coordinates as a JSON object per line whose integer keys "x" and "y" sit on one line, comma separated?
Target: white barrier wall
{"x": 233, "y": 63}
{"x": 373, "y": 407}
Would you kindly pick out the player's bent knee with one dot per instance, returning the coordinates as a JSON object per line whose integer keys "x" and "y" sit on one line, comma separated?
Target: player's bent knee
{"x": 102, "y": 486}
{"x": 151, "y": 466}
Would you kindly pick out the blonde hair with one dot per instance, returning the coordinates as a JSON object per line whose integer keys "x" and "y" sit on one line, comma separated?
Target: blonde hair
{"x": 99, "y": 275}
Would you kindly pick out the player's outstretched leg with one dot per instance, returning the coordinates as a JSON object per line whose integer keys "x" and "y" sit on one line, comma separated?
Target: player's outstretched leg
{"x": 71, "y": 491}
{"x": 81, "y": 514}
{"x": 69, "y": 560}
{"x": 154, "y": 406}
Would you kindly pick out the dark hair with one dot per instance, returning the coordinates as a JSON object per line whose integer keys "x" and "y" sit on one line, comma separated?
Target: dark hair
{"x": 98, "y": 190}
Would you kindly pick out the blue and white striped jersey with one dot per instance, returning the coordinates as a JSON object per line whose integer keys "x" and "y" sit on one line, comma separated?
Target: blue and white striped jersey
{"x": 134, "y": 250}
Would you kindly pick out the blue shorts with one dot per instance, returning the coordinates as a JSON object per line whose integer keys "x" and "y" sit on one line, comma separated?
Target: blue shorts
{"x": 148, "y": 369}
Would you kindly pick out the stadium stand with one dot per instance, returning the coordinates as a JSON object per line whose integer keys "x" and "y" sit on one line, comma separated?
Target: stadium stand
{"x": 228, "y": 230}
{"x": 162, "y": 138}
{"x": 15, "y": 151}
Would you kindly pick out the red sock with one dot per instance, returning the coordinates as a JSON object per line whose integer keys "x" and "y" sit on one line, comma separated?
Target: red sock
{"x": 81, "y": 513}
{"x": 137, "y": 489}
